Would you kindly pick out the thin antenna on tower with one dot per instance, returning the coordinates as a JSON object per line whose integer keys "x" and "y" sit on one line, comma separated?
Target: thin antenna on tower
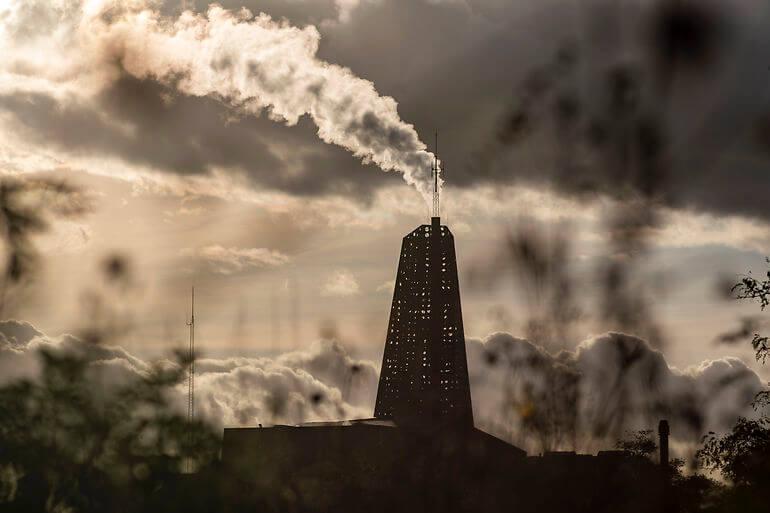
{"x": 435, "y": 170}
{"x": 191, "y": 382}
{"x": 191, "y": 374}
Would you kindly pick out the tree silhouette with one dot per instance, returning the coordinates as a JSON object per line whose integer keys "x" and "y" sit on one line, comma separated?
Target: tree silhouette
{"x": 77, "y": 437}
{"x": 743, "y": 455}
{"x": 74, "y": 442}
{"x": 26, "y": 206}
{"x": 640, "y": 443}
{"x": 759, "y": 290}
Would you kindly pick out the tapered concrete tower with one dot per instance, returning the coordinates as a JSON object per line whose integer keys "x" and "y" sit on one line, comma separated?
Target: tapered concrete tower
{"x": 424, "y": 375}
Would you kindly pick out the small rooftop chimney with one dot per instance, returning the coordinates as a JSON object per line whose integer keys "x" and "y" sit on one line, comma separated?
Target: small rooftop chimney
{"x": 663, "y": 445}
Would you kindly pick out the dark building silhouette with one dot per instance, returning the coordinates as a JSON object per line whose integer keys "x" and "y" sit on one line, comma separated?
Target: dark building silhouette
{"x": 424, "y": 376}
{"x": 421, "y": 451}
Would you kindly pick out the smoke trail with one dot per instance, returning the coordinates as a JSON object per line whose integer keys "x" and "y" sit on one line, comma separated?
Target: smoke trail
{"x": 251, "y": 63}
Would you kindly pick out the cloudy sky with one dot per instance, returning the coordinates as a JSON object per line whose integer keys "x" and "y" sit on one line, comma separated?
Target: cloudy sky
{"x": 605, "y": 167}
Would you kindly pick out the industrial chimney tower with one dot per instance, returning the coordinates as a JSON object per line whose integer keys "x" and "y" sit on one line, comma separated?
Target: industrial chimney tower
{"x": 424, "y": 375}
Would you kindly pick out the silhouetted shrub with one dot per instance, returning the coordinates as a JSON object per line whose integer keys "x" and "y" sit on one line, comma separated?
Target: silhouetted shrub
{"x": 74, "y": 441}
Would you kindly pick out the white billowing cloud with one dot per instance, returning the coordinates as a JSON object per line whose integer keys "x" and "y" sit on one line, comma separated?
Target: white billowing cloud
{"x": 231, "y": 260}
{"x": 252, "y": 63}
{"x": 387, "y": 286}
{"x": 266, "y": 392}
{"x": 20, "y": 344}
{"x": 330, "y": 362}
{"x": 588, "y": 398}
{"x": 322, "y": 383}
{"x": 572, "y": 400}
{"x": 340, "y": 283}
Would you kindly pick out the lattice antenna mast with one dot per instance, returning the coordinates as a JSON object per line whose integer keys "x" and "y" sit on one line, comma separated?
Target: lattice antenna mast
{"x": 191, "y": 374}
{"x": 435, "y": 171}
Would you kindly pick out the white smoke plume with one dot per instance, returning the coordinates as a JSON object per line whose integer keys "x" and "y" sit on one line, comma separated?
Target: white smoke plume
{"x": 253, "y": 64}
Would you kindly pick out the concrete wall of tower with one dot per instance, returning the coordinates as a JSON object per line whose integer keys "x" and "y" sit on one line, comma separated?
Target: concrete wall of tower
{"x": 424, "y": 375}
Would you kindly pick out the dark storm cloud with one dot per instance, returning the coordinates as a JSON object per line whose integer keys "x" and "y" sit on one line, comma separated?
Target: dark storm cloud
{"x": 517, "y": 96}
{"x": 448, "y": 68}
{"x": 543, "y": 93}
{"x": 17, "y": 334}
{"x": 146, "y": 123}
{"x": 299, "y": 12}
{"x": 190, "y": 135}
